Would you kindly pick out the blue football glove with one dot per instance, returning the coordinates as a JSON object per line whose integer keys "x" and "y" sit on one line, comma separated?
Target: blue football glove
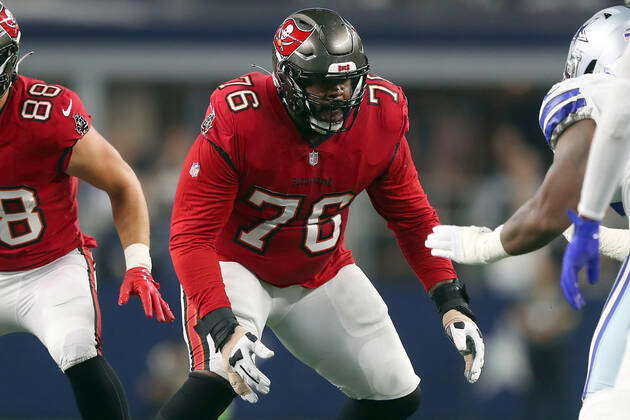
{"x": 583, "y": 250}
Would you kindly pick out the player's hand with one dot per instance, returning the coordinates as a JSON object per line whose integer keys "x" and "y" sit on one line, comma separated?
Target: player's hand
{"x": 582, "y": 251}
{"x": 466, "y": 244}
{"x": 613, "y": 243}
{"x": 139, "y": 281}
{"x": 239, "y": 356}
{"x": 468, "y": 340}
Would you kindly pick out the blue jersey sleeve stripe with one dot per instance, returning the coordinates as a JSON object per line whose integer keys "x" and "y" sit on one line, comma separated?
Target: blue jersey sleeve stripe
{"x": 552, "y": 103}
{"x": 560, "y": 115}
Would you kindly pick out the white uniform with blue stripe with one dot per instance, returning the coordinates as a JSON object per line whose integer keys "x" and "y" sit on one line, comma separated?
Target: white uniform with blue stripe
{"x": 570, "y": 101}
{"x": 567, "y": 102}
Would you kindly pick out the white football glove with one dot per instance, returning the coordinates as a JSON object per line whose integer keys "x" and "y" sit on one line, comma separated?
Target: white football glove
{"x": 467, "y": 338}
{"x": 239, "y": 355}
{"x": 613, "y": 243}
{"x": 466, "y": 244}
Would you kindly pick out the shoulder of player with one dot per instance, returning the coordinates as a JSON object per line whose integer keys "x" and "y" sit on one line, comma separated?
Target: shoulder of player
{"x": 253, "y": 82}
{"x": 381, "y": 83}
{"x": 572, "y": 100}
{"x": 239, "y": 94}
{"x": 41, "y": 90}
{"x": 386, "y": 101}
{"x": 36, "y": 104}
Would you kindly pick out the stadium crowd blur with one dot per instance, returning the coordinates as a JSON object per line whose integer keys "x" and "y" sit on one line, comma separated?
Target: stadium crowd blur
{"x": 480, "y": 155}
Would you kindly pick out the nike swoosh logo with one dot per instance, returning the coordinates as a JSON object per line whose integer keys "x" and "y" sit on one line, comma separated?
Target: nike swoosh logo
{"x": 66, "y": 111}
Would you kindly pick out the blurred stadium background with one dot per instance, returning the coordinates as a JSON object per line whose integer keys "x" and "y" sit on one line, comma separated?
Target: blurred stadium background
{"x": 474, "y": 71}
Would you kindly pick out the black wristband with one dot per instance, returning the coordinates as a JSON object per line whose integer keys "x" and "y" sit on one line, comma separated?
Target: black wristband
{"x": 452, "y": 295}
{"x": 220, "y": 324}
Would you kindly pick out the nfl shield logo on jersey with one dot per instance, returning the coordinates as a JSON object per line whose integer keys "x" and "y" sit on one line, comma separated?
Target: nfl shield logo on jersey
{"x": 313, "y": 158}
{"x": 194, "y": 169}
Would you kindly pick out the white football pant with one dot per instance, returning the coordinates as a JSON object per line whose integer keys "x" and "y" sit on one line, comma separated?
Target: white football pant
{"x": 607, "y": 388}
{"x": 341, "y": 329}
{"x": 57, "y": 303}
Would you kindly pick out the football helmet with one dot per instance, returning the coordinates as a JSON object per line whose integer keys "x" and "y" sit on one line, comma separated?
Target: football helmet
{"x": 599, "y": 42}
{"x": 314, "y": 46}
{"x": 9, "y": 48}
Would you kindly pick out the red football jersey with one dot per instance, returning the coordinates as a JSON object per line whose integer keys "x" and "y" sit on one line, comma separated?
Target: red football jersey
{"x": 38, "y": 206}
{"x": 254, "y": 191}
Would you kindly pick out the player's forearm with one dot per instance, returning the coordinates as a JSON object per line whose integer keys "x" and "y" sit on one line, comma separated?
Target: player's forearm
{"x": 609, "y": 154}
{"x": 199, "y": 273}
{"x": 130, "y": 213}
{"x": 532, "y": 227}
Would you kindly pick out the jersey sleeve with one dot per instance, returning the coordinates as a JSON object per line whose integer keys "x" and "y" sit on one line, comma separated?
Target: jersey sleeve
{"x": 566, "y": 103}
{"x": 203, "y": 203}
{"x": 218, "y": 127}
{"x": 400, "y": 199}
{"x": 69, "y": 120}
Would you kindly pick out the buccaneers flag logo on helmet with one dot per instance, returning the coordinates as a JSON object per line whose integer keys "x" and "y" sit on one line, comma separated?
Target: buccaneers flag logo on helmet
{"x": 289, "y": 37}
{"x": 8, "y": 23}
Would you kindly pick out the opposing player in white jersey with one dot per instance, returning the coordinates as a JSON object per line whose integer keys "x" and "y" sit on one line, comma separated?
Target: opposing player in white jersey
{"x": 606, "y": 171}
{"x": 569, "y": 115}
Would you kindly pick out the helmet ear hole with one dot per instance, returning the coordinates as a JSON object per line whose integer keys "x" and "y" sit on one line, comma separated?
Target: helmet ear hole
{"x": 590, "y": 67}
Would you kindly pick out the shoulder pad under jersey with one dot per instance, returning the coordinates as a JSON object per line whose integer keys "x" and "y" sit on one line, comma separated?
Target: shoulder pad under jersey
{"x": 572, "y": 100}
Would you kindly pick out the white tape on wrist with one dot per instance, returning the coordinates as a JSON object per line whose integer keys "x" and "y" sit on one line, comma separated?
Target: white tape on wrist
{"x": 137, "y": 255}
{"x": 614, "y": 243}
{"x": 493, "y": 248}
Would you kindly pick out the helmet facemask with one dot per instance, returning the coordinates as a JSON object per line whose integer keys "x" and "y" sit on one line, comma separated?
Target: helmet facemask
{"x": 318, "y": 113}
{"x": 8, "y": 66}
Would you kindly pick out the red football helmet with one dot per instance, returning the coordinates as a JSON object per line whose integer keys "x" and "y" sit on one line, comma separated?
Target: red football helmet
{"x": 9, "y": 48}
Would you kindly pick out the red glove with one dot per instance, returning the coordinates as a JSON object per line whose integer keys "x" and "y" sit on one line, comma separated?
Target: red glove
{"x": 139, "y": 281}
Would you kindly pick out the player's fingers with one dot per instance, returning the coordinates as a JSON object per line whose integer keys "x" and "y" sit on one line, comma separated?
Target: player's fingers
{"x": 478, "y": 358}
{"x": 167, "y": 310}
{"x": 438, "y": 243}
{"x": 254, "y": 378}
{"x": 250, "y": 397}
{"x": 256, "y": 375}
{"x": 468, "y": 362}
{"x": 573, "y": 216}
{"x": 157, "y": 306}
{"x": 568, "y": 283}
{"x": 240, "y": 387}
{"x": 442, "y": 253}
{"x": 593, "y": 270}
{"x": 145, "y": 298}
{"x": 123, "y": 298}
{"x": 262, "y": 351}
{"x": 457, "y": 335}
{"x": 447, "y": 229}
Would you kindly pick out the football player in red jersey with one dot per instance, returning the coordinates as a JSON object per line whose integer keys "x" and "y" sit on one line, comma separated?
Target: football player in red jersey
{"x": 47, "y": 280}
{"x": 258, "y": 226}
